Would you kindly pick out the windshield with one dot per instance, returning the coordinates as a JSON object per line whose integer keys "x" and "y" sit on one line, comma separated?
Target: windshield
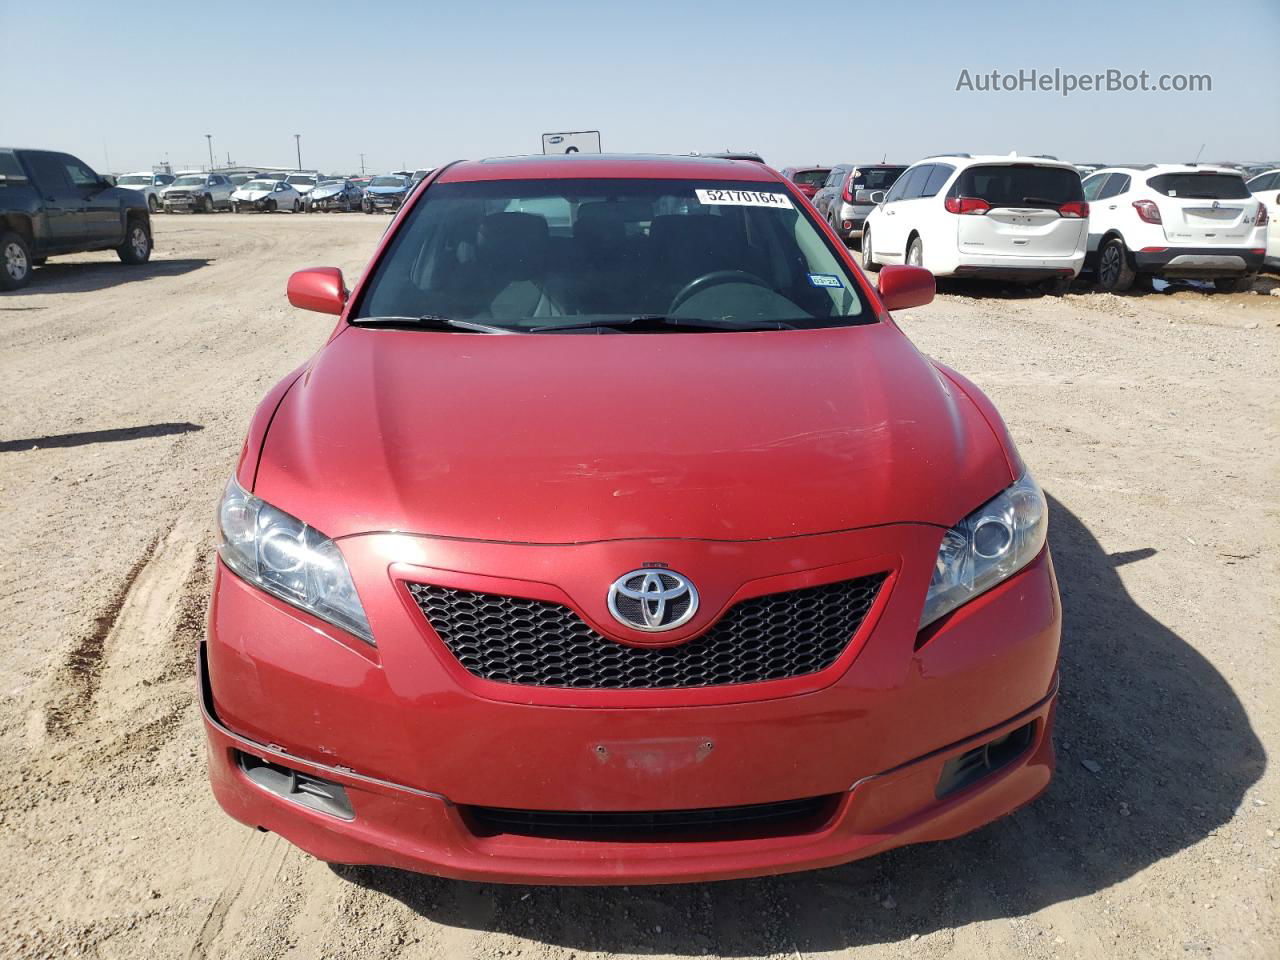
{"x": 241, "y": 178}
{"x": 189, "y": 182}
{"x": 519, "y": 254}
{"x": 877, "y": 178}
{"x": 336, "y": 184}
{"x": 302, "y": 180}
{"x": 1201, "y": 186}
{"x": 1019, "y": 185}
{"x": 811, "y": 178}
{"x": 140, "y": 181}
{"x": 386, "y": 182}
{"x": 259, "y": 185}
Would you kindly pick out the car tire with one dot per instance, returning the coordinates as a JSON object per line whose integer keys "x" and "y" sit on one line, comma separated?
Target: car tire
{"x": 1115, "y": 275}
{"x": 206, "y": 205}
{"x": 152, "y": 204}
{"x": 868, "y": 258}
{"x": 168, "y": 208}
{"x": 136, "y": 248}
{"x": 915, "y": 253}
{"x": 1235, "y": 284}
{"x": 15, "y": 261}
{"x": 297, "y": 206}
{"x": 269, "y": 206}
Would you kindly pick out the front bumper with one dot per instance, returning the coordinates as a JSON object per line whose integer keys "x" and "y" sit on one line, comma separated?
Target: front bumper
{"x": 1192, "y": 262}
{"x": 417, "y": 742}
{"x": 384, "y": 203}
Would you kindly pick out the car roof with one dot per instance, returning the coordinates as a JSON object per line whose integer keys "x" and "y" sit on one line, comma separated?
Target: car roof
{"x": 606, "y": 166}
{"x": 963, "y": 160}
{"x": 1155, "y": 169}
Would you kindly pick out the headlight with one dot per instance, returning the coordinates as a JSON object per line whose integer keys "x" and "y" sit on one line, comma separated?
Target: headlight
{"x": 288, "y": 559}
{"x": 988, "y": 546}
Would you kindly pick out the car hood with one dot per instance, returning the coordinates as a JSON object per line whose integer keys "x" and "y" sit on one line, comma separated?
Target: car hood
{"x": 251, "y": 194}
{"x": 573, "y": 438}
{"x": 321, "y": 192}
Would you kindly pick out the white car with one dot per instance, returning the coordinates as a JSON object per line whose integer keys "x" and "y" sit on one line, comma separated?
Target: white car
{"x": 266, "y": 196}
{"x": 1004, "y": 217}
{"x": 304, "y": 183}
{"x": 148, "y": 184}
{"x": 1174, "y": 220}
{"x": 1266, "y": 187}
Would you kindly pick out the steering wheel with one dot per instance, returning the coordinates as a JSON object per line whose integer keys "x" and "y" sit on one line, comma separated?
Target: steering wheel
{"x": 713, "y": 279}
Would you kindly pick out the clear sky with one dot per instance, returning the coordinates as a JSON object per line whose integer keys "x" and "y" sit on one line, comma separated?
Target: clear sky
{"x": 417, "y": 84}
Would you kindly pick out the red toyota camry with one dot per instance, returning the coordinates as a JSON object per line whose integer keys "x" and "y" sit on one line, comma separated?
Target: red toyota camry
{"x": 617, "y": 534}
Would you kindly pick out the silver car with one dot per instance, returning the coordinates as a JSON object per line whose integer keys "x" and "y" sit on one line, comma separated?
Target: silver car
{"x": 861, "y": 189}
{"x": 203, "y": 192}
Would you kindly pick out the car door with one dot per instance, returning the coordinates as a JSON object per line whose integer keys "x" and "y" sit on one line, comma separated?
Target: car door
{"x": 1100, "y": 220}
{"x": 889, "y": 238}
{"x": 100, "y": 205}
{"x": 1110, "y": 208}
{"x": 926, "y": 214}
{"x": 62, "y": 203}
{"x": 902, "y": 213}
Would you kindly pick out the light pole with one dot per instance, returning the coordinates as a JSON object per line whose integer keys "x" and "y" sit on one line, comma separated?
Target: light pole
{"x": 362, "y": 164}
{"x": 209, "y": 137}
{"x": 297, "y": 142}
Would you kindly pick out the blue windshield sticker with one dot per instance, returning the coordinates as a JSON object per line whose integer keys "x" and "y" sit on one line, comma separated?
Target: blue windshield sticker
{"x": 825, "y": 280}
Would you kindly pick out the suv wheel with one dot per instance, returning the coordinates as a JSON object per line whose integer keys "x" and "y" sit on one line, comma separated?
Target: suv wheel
{"x": 207, "y": 206}
{"x": 153, "y": 204}
{"x": 270, "y": 206}
{"x": 868, "y": 258}
{"x": 915, "y": 253}
{"x": 1114, "y": 273}
{"x": 15, "y": 261}
{"x": 137, "y": 243}
{"x": 1235, "y": 284}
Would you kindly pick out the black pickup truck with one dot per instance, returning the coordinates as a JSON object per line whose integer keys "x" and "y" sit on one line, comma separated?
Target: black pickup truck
{"x": 52, "y": 203}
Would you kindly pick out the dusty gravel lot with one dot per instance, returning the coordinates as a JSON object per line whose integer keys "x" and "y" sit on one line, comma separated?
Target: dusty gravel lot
{"x": 1151, "y": 421}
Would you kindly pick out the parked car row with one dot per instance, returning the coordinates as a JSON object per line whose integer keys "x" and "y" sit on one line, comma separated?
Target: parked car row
{"x": 1034, "y": 220}
{"x": 202, "y": 192}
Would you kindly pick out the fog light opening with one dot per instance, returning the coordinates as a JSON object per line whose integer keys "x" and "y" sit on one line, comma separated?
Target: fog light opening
{"x": 980, "y": 762}
{"x": 314, "y": 793}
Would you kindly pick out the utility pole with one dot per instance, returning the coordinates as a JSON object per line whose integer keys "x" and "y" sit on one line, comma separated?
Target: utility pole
{"x": 209, "y": 137}
{"x": 362, "y": 164}
{"x": 297, "y": 142}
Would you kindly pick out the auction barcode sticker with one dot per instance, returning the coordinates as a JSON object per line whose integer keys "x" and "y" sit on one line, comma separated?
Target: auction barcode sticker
{"x": 744, "y": 198}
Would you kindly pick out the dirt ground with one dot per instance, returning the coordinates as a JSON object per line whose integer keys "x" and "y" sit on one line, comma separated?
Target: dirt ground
{"x": 1151, "y": 421}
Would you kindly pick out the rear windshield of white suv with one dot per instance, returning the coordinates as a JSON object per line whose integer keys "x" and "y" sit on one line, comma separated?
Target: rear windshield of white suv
{"x": 544, "y": 255}
{"x": 1200, "y": 186}
{"x": 1019, "y": 185}
{"x": 133, "y": 181}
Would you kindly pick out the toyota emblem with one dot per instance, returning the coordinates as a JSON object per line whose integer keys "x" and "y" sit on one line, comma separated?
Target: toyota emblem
{"x": 652, "y": 600}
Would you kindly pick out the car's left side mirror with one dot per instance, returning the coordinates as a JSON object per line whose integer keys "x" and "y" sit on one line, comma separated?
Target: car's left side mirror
{"x": 320, "y": 289}
{"x": 903, "y": 287}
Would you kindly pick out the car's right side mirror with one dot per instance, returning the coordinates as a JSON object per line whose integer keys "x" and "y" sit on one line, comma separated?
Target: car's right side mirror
{"x": 901, "y": 287}
{"x": 877, "y": 197}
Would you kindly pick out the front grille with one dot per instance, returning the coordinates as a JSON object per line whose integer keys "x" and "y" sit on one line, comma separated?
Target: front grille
{"x": 787, "y": 818}
{"x": 532, "y": 642}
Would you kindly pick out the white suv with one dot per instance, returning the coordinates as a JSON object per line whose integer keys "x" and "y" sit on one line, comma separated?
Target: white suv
{"x": 1266, "y": 187}
{"x": 1174, "y": 220}
{"x": 1003, "y": 217}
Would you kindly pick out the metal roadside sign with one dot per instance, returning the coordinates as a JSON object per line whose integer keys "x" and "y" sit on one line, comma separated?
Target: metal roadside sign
{"x": 573, "y": 141}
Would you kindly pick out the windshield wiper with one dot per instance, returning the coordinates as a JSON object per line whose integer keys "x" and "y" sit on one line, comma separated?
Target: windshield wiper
{"x": 431, "y": 321}
{"x": 660, "y": 321}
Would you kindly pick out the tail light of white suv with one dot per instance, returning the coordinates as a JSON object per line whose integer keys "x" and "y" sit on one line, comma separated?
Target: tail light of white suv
{"x": 1148, "y": 212}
